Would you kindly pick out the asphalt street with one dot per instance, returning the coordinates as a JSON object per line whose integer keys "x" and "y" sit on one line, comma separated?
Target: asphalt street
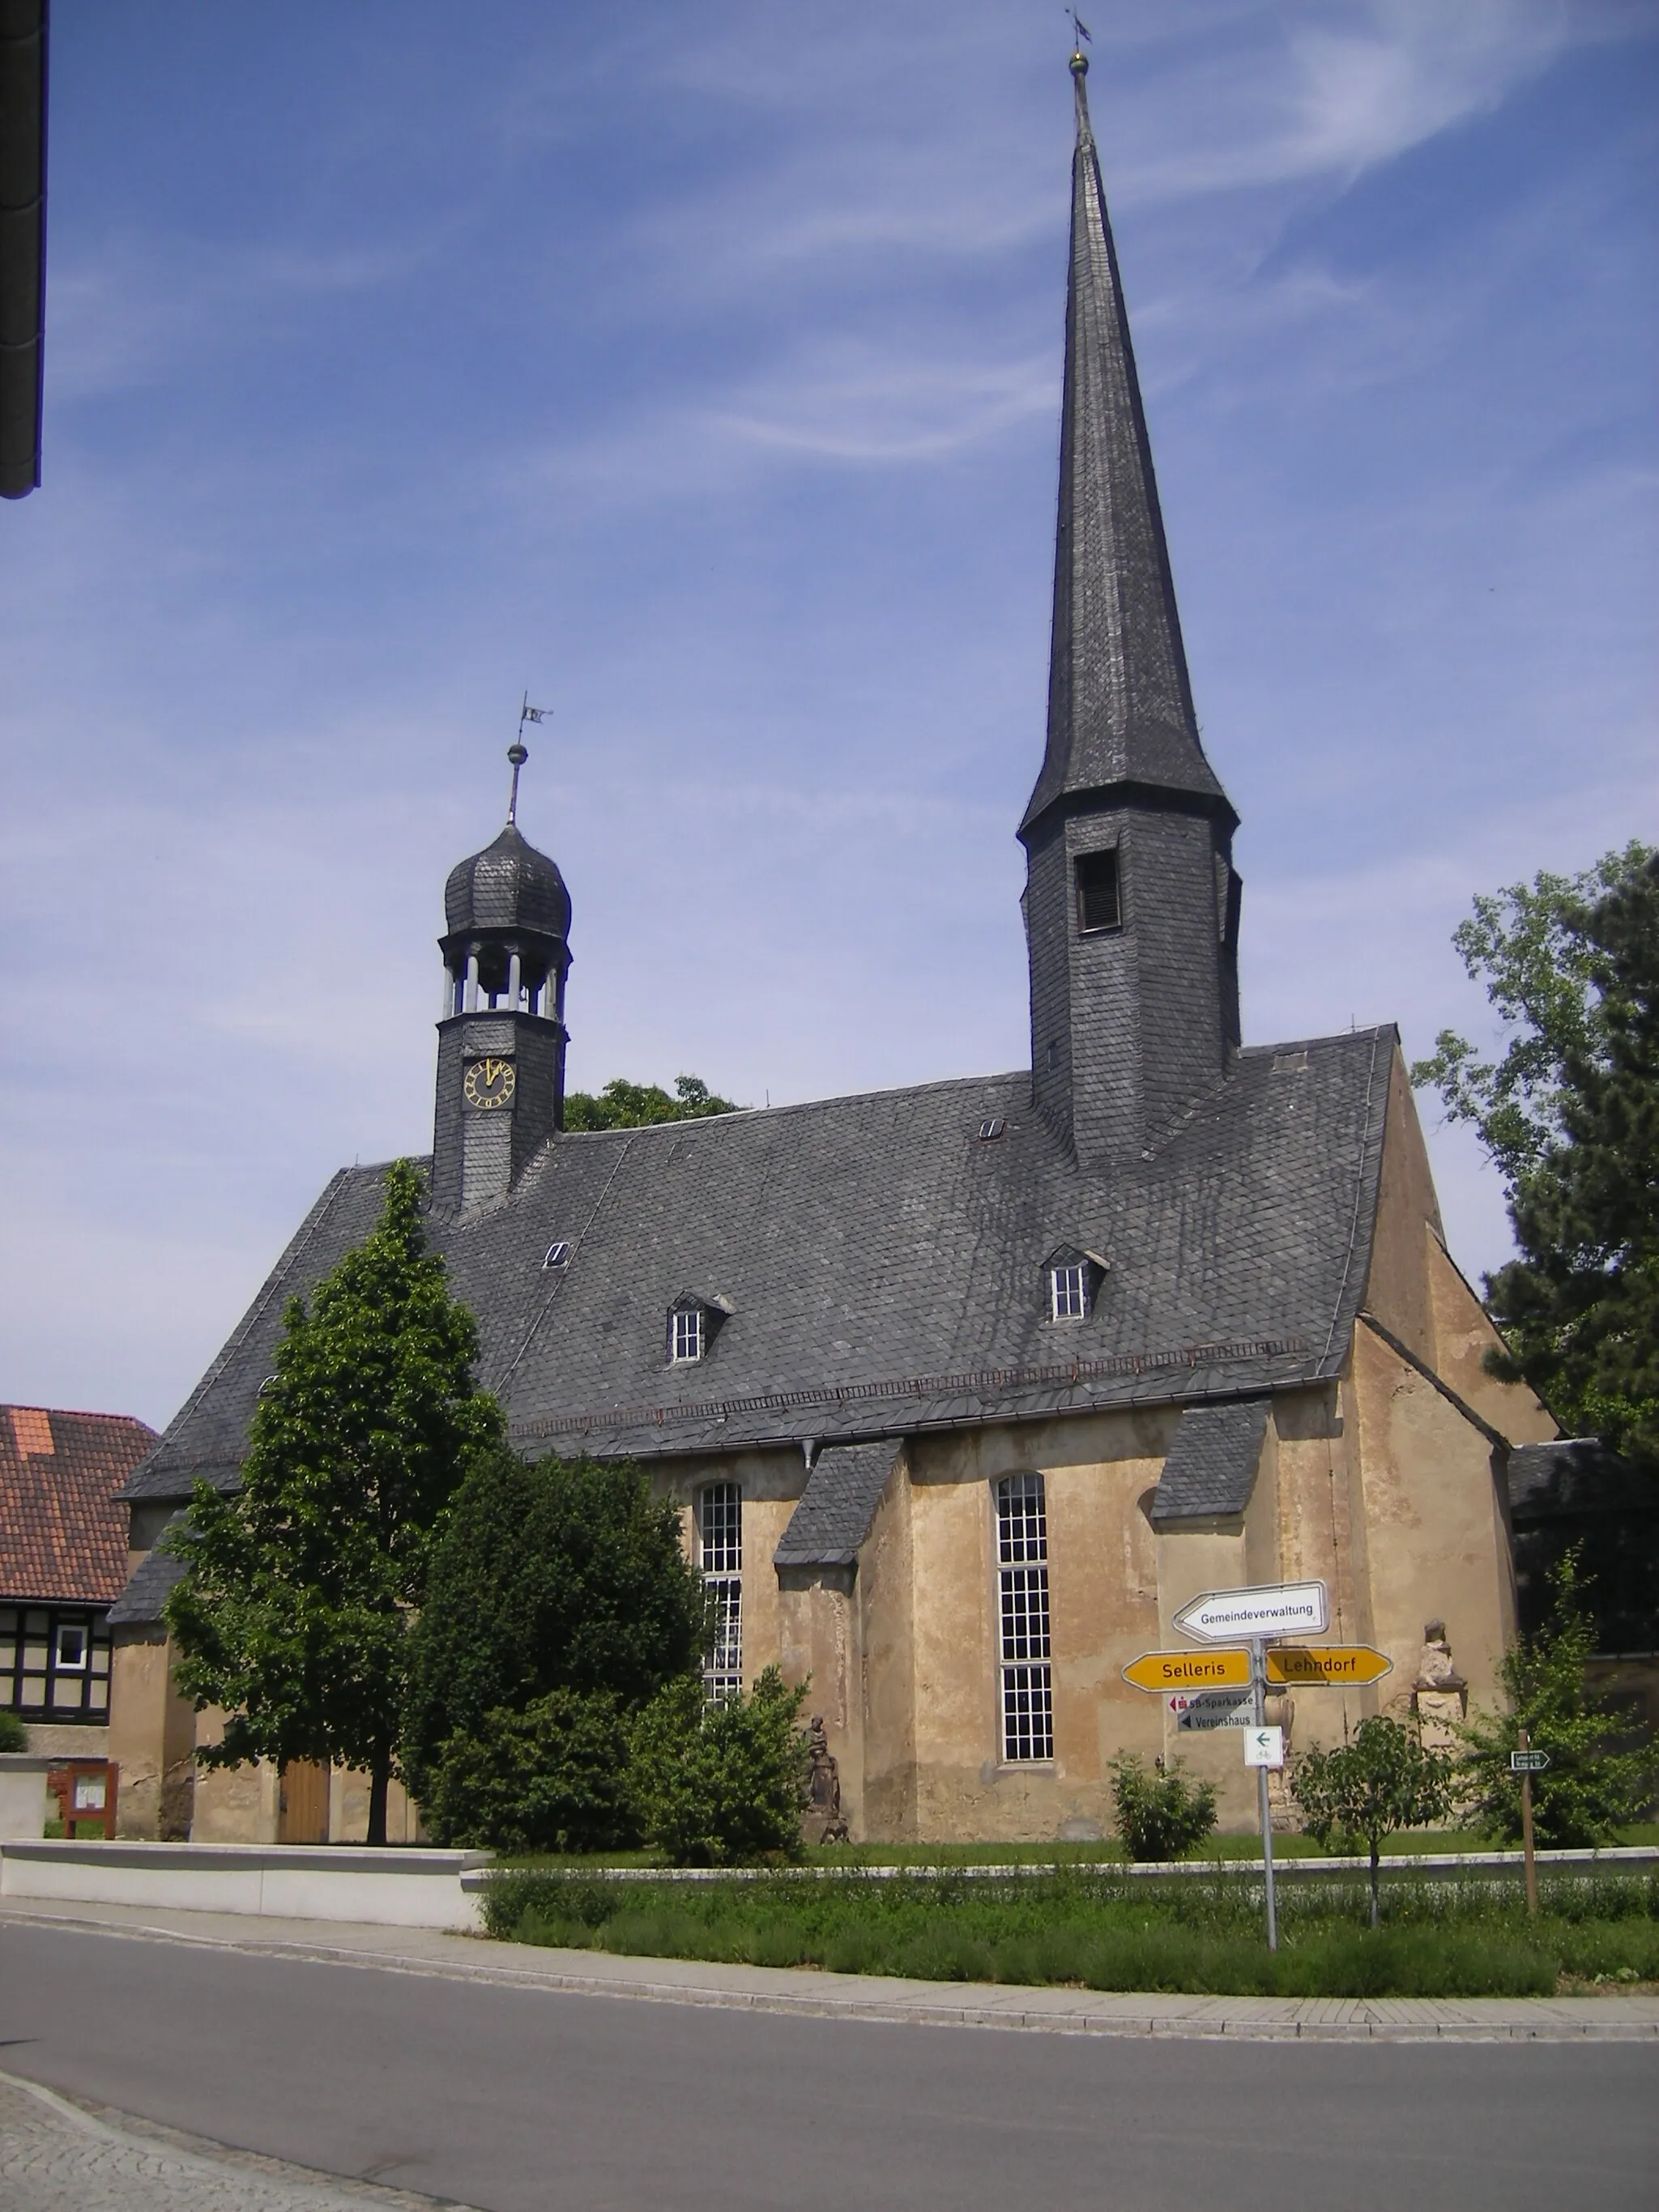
{"x": 533, "y": 2100}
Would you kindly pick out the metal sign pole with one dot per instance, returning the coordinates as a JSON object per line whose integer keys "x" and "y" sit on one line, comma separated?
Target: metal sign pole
{"x": 1259, "y": 1684}
{"x": 1525, "y": 1742}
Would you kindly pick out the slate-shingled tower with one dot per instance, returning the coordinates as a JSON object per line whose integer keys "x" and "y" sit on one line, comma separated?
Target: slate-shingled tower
{"x": 501, "y": 1038}
{"x": 1131, "y": 902}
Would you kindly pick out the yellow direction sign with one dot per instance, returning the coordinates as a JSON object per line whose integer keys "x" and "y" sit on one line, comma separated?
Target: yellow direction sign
{"x": 1212, "y": 1669}
{"x": 1336, "y": 1664}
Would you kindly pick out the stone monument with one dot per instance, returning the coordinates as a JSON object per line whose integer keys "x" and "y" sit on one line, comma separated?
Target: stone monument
{"x": 1440, "y": 1695}
{"x": 823, "y": 1789}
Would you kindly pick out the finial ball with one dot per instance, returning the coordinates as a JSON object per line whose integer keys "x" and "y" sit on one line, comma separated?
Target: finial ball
{"x": 1080, "y": 63}
{"x": 518, "y": 755}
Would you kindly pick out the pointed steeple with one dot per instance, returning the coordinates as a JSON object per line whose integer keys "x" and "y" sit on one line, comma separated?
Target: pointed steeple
{"x": 1119, "y": 703}
{"x": 1131, "y": 900}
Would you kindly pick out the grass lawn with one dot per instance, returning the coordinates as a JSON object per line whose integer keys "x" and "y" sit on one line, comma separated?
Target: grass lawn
{"x": 1090, "y": 1926}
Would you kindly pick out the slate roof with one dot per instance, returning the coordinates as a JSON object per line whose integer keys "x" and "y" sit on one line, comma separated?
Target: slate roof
{"x": 883, "y": 1266}
{"x": 509, "y": 885}
{"x": 1574, "y": 1475}
{"x": 63, "y": 1536}
{"x": 1212, "y": 1464}
{"x": 838, "y": 1506}
{"x": 140, "y": 1603}
{"x": 1120, "y": 699}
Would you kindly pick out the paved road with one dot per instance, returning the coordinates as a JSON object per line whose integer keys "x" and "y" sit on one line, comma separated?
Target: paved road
{"x": 531, "y": 2100}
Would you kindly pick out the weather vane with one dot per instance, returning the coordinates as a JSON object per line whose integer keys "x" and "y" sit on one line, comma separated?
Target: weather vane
{"x": 1081, "y": 34}
{"x": 518, "y": 752}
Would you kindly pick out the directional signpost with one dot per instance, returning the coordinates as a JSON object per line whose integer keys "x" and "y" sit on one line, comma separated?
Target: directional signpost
{"x": 1246, "y": 1616}
{"x": 1251, "y": 1616}
{"x": 1313, "y": 1665}
{"x": 1526, "y": 1763}
{"x": 1264, "y": 1748}
{"x": 1193, "y": 1710}
{"x": 1190, "y": 1670}
{"x": 1226, "y": 1686}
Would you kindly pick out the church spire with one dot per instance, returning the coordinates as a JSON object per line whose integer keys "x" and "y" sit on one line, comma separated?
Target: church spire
{"x": 1119, "y": 704}
{"x": 1131, "y": 899}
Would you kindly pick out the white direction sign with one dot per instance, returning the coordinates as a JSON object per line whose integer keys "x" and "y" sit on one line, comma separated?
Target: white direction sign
{"x": 1212, "y": 1709}
{"x": 1264, "y": 1746}
{"x": 1237, "y": 1616}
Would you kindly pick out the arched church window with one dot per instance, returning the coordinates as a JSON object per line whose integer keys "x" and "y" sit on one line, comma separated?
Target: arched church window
{"x": 719, "y": 1558}
{"x": 1028, "y": 1708}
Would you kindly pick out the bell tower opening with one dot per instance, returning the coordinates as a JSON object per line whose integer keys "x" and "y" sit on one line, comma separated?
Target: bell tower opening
{"x": 501, "y": 1034}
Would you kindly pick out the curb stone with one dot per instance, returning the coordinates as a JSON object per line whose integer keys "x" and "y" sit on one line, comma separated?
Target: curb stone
{"x": 804, "y": 1993}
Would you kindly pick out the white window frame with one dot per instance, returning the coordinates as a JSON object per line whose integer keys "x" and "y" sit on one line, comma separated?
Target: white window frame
{"x": 719, "y": 1510}
{"x": 1024, "y": 1645}
{"x": 1068, "y": 1291}
{"x": 687, "y": 1336}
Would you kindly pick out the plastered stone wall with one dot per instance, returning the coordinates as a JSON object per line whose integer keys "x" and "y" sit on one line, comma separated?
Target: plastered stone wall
{"x": 152, "y": 1738}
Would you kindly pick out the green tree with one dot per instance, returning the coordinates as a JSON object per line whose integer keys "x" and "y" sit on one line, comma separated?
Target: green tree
{"x": 1570, "y": 1114}
{"x": 1588, "y": 1792}
{"x": 1384, "y": 1780}
{"x": 725, "y": 1785}
{"x": 295, "y": 1609}
{"x": 625, "y": 1105}
{"x": 1160, "y": 1814}
{"x": 560, "y": 1580}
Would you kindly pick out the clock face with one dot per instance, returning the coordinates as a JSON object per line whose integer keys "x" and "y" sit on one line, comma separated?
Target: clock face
{"x": 488, "y": 1084}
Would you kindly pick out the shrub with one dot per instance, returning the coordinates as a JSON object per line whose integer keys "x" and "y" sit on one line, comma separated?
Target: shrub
{"x": 553, "y": 1777}
{"x": 1160, "y": 1814}
{"x": 13, "y": 1736}
{"x": 720, "y": 1785}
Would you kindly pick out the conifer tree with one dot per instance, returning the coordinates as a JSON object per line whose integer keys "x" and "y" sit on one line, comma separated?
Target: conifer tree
{"x": 294, "y": 1610}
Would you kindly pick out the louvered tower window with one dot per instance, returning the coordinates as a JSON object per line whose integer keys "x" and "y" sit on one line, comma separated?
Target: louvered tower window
{"x": 1028, "y": 1708}
{"x": 719, "y": 1556}
{"x": 1099, "y": 892}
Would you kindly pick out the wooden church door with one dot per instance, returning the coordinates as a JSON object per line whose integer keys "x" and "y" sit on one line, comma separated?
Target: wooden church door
{"x": 304, "y": 1812}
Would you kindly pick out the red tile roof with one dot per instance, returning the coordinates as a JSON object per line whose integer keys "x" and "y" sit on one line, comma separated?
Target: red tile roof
{"x": 61, "y": 1535}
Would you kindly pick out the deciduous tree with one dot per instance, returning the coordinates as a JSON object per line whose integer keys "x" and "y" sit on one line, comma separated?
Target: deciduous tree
{"x": 1386, "y": 1779}
{"x": 1570, "y": 1114}
{"x": 300, "y": 1588}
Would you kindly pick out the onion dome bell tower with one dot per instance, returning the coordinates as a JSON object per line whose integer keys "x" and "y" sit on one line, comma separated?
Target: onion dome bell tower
{"x": 501, "y": 1037}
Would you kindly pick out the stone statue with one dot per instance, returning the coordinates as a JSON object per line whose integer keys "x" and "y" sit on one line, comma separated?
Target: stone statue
{"x": 823, "y": 1786}
{"x": 1440, "y": 1695}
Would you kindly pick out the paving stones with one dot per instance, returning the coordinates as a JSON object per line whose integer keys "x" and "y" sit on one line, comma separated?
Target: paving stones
{"x": 57, "y": 2156}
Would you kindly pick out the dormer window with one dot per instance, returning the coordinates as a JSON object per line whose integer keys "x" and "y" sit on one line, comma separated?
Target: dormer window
{"x": 1073, "y": 1278}
{"x": 1099, "y": 892}
{"x": 694, "y": 1322}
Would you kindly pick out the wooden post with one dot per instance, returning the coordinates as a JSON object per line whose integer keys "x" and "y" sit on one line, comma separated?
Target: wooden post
{"x": 1524, "y": 1744}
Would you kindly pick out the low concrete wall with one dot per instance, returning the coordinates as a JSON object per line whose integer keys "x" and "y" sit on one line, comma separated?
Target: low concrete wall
{"x": 384, "y": 1889}
{"x": 23, "y": 1796}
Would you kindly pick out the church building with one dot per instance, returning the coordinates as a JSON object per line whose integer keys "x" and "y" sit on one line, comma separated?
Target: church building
{"x": 965, "y": 1388}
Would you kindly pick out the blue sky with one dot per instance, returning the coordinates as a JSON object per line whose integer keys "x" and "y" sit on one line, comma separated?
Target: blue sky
{"x": 698, "y": 368}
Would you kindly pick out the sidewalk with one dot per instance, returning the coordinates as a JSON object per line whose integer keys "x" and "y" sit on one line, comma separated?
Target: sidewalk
{"x": 856, "y": 1997}
{"x": 57, "y": 2155}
